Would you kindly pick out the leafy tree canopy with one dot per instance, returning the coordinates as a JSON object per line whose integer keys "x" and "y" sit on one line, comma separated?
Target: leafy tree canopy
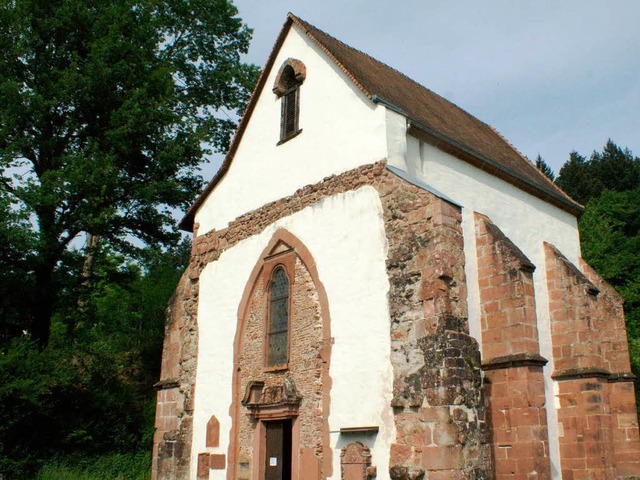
{"x": 610, "y": 234}
{"x": 106, "y": 109}
{"x": 87, "y": 399}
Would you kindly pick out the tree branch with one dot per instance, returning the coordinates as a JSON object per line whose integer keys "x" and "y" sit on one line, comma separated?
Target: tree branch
{"x": 8, "y": 186}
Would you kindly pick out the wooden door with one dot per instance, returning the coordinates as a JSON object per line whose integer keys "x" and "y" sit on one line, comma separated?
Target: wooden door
{"x": 278, "y": 450}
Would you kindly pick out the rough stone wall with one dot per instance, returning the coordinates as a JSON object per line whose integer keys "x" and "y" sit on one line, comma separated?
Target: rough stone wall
{"x": 304, "y": 367}
{"x": 174, "y": 408}
{"x": 438, "y": 398}
{"x": 438, "y": 405}
{"x": 574, "y": 319}
{"x": 598, "y": 432}
{"x": 624, "y": 415}
{"x": 511, "y": 357}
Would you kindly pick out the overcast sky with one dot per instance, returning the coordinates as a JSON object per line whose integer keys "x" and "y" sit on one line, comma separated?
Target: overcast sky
{"x": 551, "y": 76}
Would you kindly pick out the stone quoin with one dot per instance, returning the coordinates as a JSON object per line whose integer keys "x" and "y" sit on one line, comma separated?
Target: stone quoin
{"x": 381, "y": 286}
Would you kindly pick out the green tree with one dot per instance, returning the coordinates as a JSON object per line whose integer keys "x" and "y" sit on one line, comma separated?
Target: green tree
{"x": 16, "y": 245}
{"x": 87, "y": 399}
{"x": 613, "y": 169}
{"x": 106, "y": 110}
{"x": 544, "y": 168}
{"x": 610, "y": 240}
{"x": 616, "y": 168}
{"x": 575, "y": 178}
{"x": 609, "y": 186}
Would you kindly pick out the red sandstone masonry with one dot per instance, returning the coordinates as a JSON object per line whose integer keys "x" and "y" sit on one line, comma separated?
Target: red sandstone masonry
{"x": 510, "y": 350}
{"x": 439, "y": 409}
{"x": 438, "y": 405}
{"x": 585, "y": 440}
{"x": 584, "y": 426}
{"x": 436, "y": 363}
{"x": 507, "y": 302}
{"x": 598, "y": 438}
{"x": 518, "y": 421}
{"x": 624, "y": 416}
{"x": 574, "y": 318}
{"x": 610, "y": 324}
{"x": 174, "y": 410}
{"x": 305, "y": 367}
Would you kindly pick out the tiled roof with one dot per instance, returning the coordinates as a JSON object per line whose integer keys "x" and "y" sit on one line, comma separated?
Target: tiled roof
{"x": 432, "y": 118}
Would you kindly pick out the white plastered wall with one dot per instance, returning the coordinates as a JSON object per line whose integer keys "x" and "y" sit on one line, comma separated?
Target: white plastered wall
{"x": 341, "y": 129}
{"x": 525, "y": 219}
{"x": 345, "y": 235}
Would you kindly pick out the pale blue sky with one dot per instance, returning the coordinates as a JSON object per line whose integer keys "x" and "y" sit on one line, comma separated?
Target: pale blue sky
{"x": 551, "y": 76}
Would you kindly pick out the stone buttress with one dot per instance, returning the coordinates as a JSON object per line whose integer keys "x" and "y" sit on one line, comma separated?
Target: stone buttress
{"x": 438, "y": 400}
{"x": 597, "y": 418}
{"x": 514, "y": 382}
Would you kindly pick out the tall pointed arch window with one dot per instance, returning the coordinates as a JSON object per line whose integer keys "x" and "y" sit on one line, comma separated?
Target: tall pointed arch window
{"x": 278, "y": 326}
{"x": 287, "y": 87}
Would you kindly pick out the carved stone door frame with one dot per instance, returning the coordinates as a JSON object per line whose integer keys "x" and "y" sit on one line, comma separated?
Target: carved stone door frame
{"x": 260, "y": 439}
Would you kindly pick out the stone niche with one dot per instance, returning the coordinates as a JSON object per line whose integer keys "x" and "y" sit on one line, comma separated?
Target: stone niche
{"x": 355, "y": 462}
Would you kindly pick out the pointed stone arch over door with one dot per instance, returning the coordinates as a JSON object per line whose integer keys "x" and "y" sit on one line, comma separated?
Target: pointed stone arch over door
{"x": 294, "y": 388}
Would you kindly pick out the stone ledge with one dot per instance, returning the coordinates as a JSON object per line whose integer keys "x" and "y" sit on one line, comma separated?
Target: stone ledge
{"x": 577, "y": 373}
{"x": 622, "y": 377}
{"x": 166, "y": 384}
{"x": 515, "y": 361}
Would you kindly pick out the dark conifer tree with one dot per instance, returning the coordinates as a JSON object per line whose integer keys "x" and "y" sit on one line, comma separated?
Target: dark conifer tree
{"x": 544, "y": 168}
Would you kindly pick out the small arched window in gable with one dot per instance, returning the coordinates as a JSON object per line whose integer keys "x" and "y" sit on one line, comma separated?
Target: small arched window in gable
{"x": 278, "y": 325}
{"x": 287, "y": 87}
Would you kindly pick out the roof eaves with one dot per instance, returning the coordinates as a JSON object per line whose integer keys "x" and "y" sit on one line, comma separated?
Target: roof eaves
{"x": 524, "y": 157}
{"x": 498, "y": 170}
{"x": 560, "y": 199}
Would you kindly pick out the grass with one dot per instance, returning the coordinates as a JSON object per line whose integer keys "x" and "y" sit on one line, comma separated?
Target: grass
{"x": 136, "y": 466}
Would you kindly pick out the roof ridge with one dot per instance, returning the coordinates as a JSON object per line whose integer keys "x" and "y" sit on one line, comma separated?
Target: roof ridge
{"x": 309, "y": 29}
{"x": 305, "y": 25}
{"x": 299, "y": 20}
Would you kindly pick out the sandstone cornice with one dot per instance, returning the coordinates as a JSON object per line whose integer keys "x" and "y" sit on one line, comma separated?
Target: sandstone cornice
{"x": 515, "y": 361}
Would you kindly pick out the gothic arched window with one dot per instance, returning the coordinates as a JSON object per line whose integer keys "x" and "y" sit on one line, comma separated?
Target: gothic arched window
{"x": 278, "y": 325}
{"x": 287, "y": 88}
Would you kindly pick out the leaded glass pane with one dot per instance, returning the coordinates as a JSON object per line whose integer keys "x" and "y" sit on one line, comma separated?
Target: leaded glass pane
{"x": 278, "y": 346}
{"x": 279, "y": 284}
{"x": 278, "y": 318}
{"x": 279, "y": 315}
{"x": 290, "y": 112}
